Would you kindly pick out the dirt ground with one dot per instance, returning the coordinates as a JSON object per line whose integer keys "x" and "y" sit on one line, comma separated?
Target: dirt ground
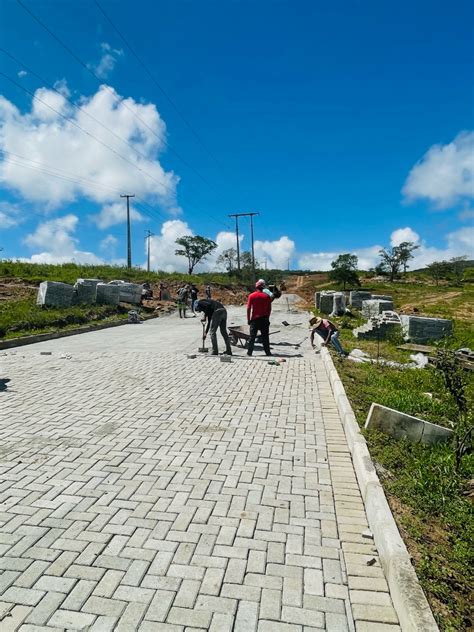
{"x": 16, "y": 289}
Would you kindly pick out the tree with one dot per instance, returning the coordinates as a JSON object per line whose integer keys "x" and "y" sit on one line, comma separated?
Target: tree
{"x": 438, "y": 270}
{"x": 344, "y": 270}
{"x": 390, "y": 261}
{"x": 228, "y": 259}
{"x": 195, "y": 248}
{"x": 246, "y": 261}
{"x": 457, "y": 265}
{"x": 405, "y": 253}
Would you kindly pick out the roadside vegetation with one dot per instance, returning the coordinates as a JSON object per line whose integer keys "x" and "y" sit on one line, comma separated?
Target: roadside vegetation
{"x": 430, "y": 492}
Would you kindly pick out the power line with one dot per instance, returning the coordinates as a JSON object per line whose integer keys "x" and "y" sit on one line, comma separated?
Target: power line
{"x": 65, "y": 176}
{"x": 114, "y": 94}
{"x": 94, "y": 137}
{"x": 158, "y": 85}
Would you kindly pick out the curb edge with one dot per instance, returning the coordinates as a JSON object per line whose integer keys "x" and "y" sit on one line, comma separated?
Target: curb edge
{"x": 408, "y": 598}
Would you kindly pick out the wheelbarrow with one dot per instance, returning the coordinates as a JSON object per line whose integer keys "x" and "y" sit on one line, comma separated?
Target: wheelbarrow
{"x": 240, "y": 335}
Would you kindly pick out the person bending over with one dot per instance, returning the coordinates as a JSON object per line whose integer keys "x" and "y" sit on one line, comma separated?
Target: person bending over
{"x": 216, "y": 315}
{"x": 328, "y": 332}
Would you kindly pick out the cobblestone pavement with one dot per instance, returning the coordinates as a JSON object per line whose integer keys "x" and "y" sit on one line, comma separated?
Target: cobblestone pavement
{"x": 143, "y": 490}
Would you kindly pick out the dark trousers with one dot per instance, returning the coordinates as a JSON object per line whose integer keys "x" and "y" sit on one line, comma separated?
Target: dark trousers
{"x": 261, "y": 325}
{"x": 219, "y": 321}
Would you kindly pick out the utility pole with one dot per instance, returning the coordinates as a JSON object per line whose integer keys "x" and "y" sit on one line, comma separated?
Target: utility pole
{"x": 251, "y": 215}
{"x": 148, "y": 235}
{"x": 129, "y": 241}
{"x": 236, "y": 215}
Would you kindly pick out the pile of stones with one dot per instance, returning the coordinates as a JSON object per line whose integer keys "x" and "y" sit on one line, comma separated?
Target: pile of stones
{"x": 382, "y": 320}
{"x": 87, "y": 292}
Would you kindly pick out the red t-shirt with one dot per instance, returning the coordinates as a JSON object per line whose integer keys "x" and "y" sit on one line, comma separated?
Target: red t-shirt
{"x": 258, "y": 304}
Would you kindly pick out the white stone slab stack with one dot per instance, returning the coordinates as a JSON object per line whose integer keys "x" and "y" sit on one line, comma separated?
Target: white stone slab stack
{"x": 86, "y": 291}
{"x": 339, "y": 304}
{"x": 108, "y": 294}
{"x": 373, "y": 308}
{"x": 55, "y": 294}
{"x": 130, "y": 293}
{"x": 420, "y": 329}
{"x": 357, "y": 296}
{"x": 326, "y": 301}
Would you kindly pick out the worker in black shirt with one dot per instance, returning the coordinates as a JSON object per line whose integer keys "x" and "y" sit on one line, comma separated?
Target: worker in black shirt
{"x": 216, "y": 315}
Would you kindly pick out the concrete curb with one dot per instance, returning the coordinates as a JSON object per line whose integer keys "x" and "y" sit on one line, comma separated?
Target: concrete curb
{"x": 29, "y": 340}
{"x": 408, "y": 598}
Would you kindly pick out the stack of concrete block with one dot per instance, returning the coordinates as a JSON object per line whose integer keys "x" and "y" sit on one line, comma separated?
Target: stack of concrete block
{"x": 130, "y": 293}
{"x": 357, "y": 296}
{"x": 108, "y": 294}
{"x": 55, "y": 294}
{"x": 373, "y": 308}
{"x": 86, "y": 291}
{"x": 420, "y": 329}
{"x": 339, "y": 304}
{"x": 326, "y": 301}
{"x": 378, "y": 328}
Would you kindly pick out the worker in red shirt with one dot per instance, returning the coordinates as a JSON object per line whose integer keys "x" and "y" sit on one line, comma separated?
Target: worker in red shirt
{"x": 259, "y": 307}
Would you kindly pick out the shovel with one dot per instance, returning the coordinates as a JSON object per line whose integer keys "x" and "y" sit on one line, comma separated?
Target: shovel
{"x": 203, "y": 349}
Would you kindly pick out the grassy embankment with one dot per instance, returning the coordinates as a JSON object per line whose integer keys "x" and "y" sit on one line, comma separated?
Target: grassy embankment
{"x": 20, "y": 316}
{"x": 431, "y": 500}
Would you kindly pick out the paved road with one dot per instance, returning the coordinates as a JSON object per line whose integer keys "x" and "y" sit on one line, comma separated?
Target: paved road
{"x": 143, "y": 490}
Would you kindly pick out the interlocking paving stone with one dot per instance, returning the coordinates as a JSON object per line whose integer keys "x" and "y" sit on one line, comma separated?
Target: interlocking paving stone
{"x": 142, "y": 490}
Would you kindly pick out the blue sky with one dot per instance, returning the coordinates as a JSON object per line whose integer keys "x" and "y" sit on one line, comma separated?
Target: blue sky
{"x": 348, "y": 126}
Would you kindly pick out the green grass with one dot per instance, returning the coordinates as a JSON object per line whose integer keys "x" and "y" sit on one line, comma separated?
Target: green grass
{"x": 70, "y": 272}
{"x": 427, "y": 495}
{"x": 20, "y": 318}
{"x": 436, "y": 521}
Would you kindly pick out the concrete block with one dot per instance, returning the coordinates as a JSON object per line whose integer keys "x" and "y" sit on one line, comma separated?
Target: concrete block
{"x": 382, "y": 297}
{"x": 108, "y": 294}
{"x": 326, "y": 301}
{"x": 373, "y": 308}
{"x": 85, "y": 291}
{"x": 339, "y": 304}
{"x": 402, "y": 426}
{"x": 55, "y": 294}
{"x": 420, "y": 329}
{"x": 357, "y": 296}
{"x": 130, "y": 293}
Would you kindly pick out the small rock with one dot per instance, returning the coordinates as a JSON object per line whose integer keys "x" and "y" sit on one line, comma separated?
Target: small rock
{"x": 46, "y": 352}
{"x": 371, "y": 562}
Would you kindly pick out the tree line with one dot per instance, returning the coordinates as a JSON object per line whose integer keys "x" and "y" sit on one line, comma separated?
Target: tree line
{"x": 393, "y": 262}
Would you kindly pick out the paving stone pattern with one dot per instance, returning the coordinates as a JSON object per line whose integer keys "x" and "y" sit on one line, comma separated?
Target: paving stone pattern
{"x": 158, "y": 493}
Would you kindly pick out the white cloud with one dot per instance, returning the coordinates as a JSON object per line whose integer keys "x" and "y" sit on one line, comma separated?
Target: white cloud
{"x": 445, "y": 174}
{"x": 107, "y": 61}
{"x": 10, "y": 215}
{"x": 368, "y": 257}
{"x": 403, "y": 234}
{"x": 22, "y": 74}
{"x": 56, "y": 236}
{"x": 163, "y": 246}
{"x": 57, "y": 145}
{"x": 458, "y": 243}
{"x": 108, "y": 245}
{"x": 276, "y": 253}
{"x": 116, "y": 213}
